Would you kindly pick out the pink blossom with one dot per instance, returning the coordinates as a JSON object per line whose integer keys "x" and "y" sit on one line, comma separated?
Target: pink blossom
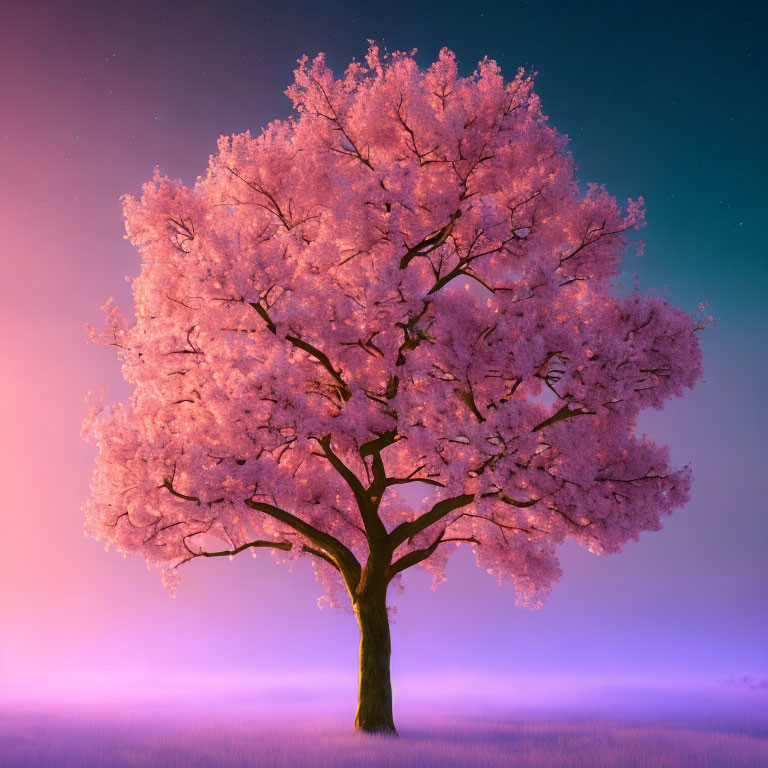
{"x": 401, "y": 283}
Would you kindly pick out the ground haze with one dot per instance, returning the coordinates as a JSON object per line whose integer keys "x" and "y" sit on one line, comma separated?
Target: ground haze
{"x": 630, "y": 729}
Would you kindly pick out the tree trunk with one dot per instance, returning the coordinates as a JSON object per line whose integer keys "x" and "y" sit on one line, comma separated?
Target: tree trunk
{"x": 374, "y": 706}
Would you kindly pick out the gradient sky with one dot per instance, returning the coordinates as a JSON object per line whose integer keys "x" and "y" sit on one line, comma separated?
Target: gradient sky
{"x": 664, "y": 103}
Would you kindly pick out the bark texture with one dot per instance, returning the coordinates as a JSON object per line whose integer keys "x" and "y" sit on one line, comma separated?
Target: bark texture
{"x": 374, "y": 708}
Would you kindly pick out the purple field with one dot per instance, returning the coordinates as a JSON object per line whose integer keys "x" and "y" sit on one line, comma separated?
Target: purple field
{"x": 694, "y": 733}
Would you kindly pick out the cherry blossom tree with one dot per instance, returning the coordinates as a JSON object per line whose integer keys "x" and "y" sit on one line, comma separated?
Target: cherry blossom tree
{"x": 401, "y": 285}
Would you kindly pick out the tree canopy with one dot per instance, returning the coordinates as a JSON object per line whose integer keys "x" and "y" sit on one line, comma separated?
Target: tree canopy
{"x": 402, "y": 283}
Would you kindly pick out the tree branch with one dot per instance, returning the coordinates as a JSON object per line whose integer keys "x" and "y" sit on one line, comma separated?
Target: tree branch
{"x": 324, "y": 360}
{"x": 512, "y": 502}
{"x": 469, "y": 539}
{"x": 468, "y": 398}
{"x": 435, "y": 240}
{"x": 322, "y": 555}
{"x": 442, "y": 508}
{"x": 585, "y": 242}
{"x": 343, "y": 557}
{"x": 414, "y": 557}
{"x": 168, "y": 485}
{"x": 374, "y": 528}
{"x": 564, "y": 413}
{"x": 419, "y": 555}
{"x": 404, "y": 480}
{"x": 504, "y": 526}
{"x": 379, "y": 443}
{"x": 284, "y": 545}
{"x": 310, "y": 349}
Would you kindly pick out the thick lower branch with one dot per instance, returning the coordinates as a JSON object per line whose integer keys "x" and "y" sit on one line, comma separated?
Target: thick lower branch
{"x": 330, "y": 548}
{"x": 415, "y": 557}
{"x": 343, "y": 557}
{"x": 322, "y": 555}
{"x": 407, "y": 530}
